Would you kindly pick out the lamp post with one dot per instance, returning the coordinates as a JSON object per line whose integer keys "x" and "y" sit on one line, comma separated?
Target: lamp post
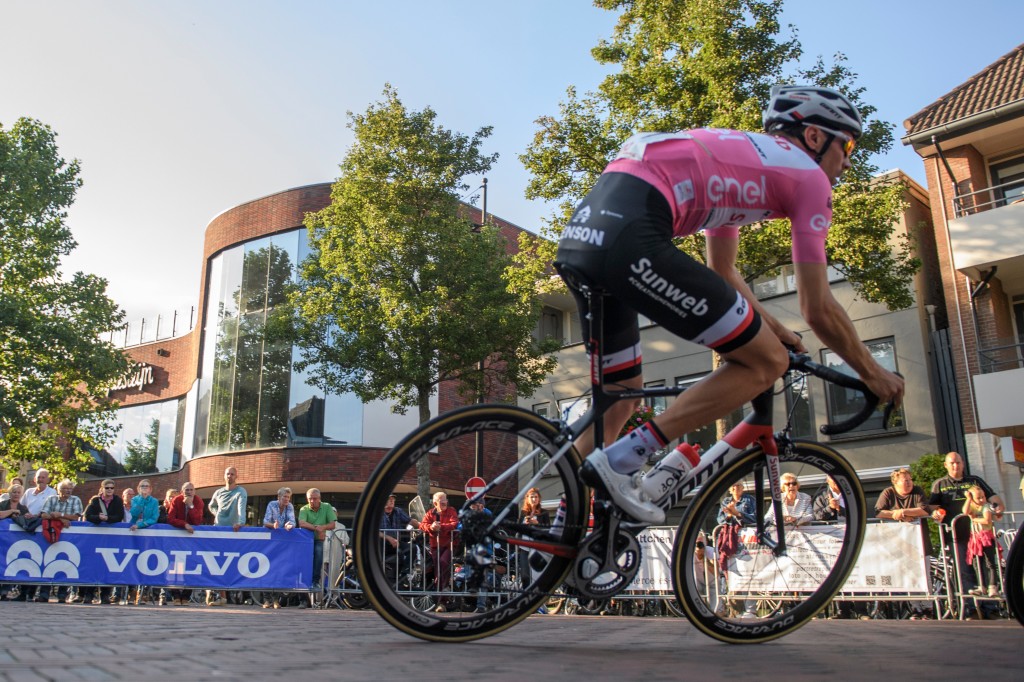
{"x": 478, "y": 455}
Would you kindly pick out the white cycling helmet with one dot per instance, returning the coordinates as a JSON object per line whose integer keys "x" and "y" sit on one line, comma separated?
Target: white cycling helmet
{"x": 791, "y": 105}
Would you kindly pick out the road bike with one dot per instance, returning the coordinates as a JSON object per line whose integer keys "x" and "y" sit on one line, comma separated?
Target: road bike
{"x": 592, "y": 547}
{"x": 1013, "y": 582}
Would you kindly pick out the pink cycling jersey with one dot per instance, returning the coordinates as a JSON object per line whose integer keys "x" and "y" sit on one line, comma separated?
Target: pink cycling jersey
{"x": 717, "y": 180}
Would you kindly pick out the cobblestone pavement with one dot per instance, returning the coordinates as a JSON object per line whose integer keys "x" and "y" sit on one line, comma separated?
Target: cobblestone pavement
{"x": 79, "y": 642}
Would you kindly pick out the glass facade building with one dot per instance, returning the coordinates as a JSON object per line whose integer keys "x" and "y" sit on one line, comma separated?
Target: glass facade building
{"x": 249, "y": 394}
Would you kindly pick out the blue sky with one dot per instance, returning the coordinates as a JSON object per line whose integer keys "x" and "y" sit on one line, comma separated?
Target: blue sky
{"x": 180, "y": 110}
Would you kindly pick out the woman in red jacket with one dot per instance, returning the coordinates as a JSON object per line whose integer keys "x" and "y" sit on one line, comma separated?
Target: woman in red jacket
{"x": 186, "y": 512}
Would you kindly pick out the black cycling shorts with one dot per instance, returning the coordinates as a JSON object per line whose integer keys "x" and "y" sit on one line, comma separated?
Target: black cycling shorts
{"x": 620, "y": 238}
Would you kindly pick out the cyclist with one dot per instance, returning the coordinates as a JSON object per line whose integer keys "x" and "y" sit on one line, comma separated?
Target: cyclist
{"x": 665, "y": 185}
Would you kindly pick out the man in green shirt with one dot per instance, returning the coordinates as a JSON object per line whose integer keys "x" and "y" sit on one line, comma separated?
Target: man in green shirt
{"x": 318, "y": 517}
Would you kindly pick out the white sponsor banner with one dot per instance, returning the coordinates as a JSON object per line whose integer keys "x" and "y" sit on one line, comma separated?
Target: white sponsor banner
{"x": 655, "y": 572}
{"x": 891, "y": 560}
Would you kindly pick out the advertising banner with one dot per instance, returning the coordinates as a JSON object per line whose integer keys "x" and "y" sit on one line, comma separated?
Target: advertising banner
{"x": 160, "y": 555}
{"x": 656, "y": 555}
{"x": 891, "y": 560}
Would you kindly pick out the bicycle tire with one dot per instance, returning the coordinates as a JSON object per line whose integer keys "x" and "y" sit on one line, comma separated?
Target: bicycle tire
{"x": 509, "y": 434}
{"x": 803, "y": 580}
{"x": 1014, "y": 581}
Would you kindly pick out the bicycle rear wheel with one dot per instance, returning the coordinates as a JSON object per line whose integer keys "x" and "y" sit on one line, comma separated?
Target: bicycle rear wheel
{"x": 513, "y": 442}
{"x": 1014, "y": 583}
{"x": 763, "y": 596}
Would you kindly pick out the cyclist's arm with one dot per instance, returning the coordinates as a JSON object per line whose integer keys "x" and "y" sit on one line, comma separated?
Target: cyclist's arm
{"x": 835, "y": 330}
{"x": 722, "y": 252}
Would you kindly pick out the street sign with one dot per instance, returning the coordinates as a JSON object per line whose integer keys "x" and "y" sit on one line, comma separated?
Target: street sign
{"x": 474, "y": 486}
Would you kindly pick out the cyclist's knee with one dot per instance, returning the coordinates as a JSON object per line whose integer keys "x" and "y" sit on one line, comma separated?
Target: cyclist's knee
{"x": 765, "y": 359}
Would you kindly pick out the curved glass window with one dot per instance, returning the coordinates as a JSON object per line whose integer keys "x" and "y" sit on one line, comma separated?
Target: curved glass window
{"x": 149, "y": 440}
{"x": 249, "y": 396}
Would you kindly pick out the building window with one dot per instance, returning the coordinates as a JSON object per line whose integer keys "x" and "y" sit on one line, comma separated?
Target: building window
{"x": 249, "y": 394}
{"x": 148, "y": 441}
{"x": 783, "y": 281}
{"x": 798, "y": 408}
{"x": 549, "y": 326}
{"x": 1008, "y": 181}
{"x": 844, "y": 403}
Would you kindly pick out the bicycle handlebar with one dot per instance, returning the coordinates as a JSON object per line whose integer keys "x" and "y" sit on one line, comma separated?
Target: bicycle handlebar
{"x": 803, "y": 363}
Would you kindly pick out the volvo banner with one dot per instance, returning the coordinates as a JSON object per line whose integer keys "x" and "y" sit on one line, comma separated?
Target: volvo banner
{"x": 160, "y": 555}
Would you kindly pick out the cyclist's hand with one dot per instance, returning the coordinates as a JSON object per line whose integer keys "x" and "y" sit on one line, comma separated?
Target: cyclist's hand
{"x": 789, "y": 338}
{"x": 888, "y": 386}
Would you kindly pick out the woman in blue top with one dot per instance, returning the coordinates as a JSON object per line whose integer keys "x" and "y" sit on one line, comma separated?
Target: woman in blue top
{"x": 145, "y": 508}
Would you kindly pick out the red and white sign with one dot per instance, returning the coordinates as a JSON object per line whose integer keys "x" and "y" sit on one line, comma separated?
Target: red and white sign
{"x": 474, "y": 486}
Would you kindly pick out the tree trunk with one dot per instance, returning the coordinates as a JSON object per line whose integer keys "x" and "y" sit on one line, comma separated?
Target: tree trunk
{"x": 423, "y": 464}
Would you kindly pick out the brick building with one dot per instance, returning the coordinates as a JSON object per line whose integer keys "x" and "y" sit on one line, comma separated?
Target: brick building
{"x": 224, "y": 394}
{"x": 972, "y": 142}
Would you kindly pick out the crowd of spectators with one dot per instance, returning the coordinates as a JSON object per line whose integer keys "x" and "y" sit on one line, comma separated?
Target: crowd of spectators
{"x": 46, "y": 509}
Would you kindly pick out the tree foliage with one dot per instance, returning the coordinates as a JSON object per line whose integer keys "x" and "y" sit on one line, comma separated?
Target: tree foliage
{"x": 401, "y": 291}
{"x": 140, "y": 457}
{"x": 694, "y": 63}
{"x": 54, "y": 369}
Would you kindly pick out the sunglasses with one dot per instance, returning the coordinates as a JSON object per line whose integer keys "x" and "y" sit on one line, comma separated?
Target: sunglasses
{"x": 847, "y": 142}
{"x": 792, "y": 483}
{"x": 108, "y": 487}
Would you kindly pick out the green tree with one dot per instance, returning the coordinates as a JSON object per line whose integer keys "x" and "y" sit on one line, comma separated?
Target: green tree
{"x": 691, "y": 63}
{"x": 925, "y": 471}
{"x": 54, "y": 369}
{"x": 141, "y": 456}
{"x": 401, "y": 292}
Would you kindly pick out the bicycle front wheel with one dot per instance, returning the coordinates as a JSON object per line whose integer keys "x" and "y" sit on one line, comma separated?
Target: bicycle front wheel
{"x": 494, "y": 442}
{"x": 1014, "y": 583}
{"x": 759, "y": 594}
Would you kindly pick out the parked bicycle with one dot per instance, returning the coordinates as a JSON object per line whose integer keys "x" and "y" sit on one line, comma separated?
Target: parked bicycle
{"x": 515, "y": 450}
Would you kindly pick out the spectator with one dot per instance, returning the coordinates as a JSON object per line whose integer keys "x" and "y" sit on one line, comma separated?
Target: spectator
{"x": 145, "y": 508}
{"x": 127, "y": 495}
{"x": 104, "y": 508}
{"x": 186, "y": 512}
{"x": 166, "y": 595}
{"x": 796, "y": 506}
{"x": 35, "y": 498}
{"x": 318, "y": 517}
{"x": 488, "y": 581}
{"x": 13, "y": 509}
{"x": 64, "y": 508}
{"x": 902, "y": 501}
{"x": 145, "y": 513}
{"x": 829, "y": 505}
{"x": 439, "y": 523}
{"x": 280, "y": 515}
{"x": 227, "y": 505}
{"x": 982, "y": 544}
{"x": 393, "y": 522}
{"x": 947, "y": 499}
{"x": 17, "y": 480}
{"x": 532, "y": 514}
{"x": 704, "y": 569}
{"x": 165, "y": 506}
{"x": 737, "y": 509}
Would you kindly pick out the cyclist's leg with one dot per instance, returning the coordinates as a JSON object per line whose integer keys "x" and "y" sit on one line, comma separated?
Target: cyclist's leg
{"x": 744, "y": 374}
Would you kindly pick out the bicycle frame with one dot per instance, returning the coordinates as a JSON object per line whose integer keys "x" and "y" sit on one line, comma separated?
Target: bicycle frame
{"x": 755, "y": 429}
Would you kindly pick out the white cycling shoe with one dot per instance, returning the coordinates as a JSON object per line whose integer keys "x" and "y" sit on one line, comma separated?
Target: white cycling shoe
{"x": 624, "y": 489}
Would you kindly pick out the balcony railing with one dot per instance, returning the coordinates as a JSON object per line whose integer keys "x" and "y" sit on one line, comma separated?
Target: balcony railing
{"x": 969, "y": 203}
{"x": 1003, "y": 355}
{"x": 148, "y": 330}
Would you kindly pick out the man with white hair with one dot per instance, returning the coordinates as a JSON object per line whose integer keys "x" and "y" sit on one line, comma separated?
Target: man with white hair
{"x": 35, "y": 498}
{"x": 65, "y": 508}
